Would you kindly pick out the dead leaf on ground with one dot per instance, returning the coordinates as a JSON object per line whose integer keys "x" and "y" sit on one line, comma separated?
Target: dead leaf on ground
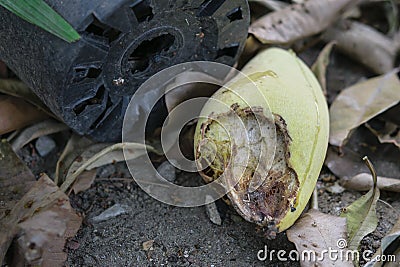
{"x": 360, "y": 103}
{"x": 321, "y": 64}
{"x": 29, "y": 134}
{"x": 271, "y": 4}
{"x": 15, "y": 179}
{"x": 364, "y": 182}
{"x": 386, "y": 131}
{"x": 298, "y": 21}
{"x": 390, "y": 246}
{"x": 84, "y": 181}
{"x": 75, "y": 146}
{"x": 18, "y": 89}
{"x": 346, "y": 162}
{"x": 40, "y": 223}
{"x": 15, "y": 113}
{"x": 364, "y": 44}
{"x": 361, "y": 214}
{"x": 100, "y": 154}
{"x": 316, "y": 231}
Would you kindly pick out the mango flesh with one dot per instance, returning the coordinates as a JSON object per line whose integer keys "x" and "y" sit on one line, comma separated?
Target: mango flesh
{"x": 298, "y": 146}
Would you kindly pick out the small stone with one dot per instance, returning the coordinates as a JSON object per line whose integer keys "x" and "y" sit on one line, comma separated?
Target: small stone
{"x": 335, "y": 189}
{"x": 148, "y": 245}
{"x": 110, "y": 213}
{"x": 44, "y": 145}
{"x": 167, "y": 171}
{"x": 212, "y": 212}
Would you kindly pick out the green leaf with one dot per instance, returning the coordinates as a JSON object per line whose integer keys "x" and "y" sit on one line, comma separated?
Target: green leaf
{"x": 39, "y": 13}
{"x": 361, "y": 215}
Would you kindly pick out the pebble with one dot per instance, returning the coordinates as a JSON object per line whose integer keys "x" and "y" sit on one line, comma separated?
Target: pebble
{"x": 167, "y": 171}
{"x": 44, "y": 145}
{"x": 212, "y": 212}
{"x": 110, "y": 213}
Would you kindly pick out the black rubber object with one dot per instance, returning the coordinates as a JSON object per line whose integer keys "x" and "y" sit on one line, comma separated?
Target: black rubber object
{"x": 89, "y": 83}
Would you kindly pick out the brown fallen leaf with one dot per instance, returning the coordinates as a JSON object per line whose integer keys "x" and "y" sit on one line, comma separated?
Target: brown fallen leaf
{"x": 360, "y": 103}
{"x": 18, "y": 89}
{"x": 390, "y": 249}
{"x": 15, "y": 113}
{"x": 316, "y": 232}
{"x": 364, "y": 182}
{"x": 346, "y": 162}
{"x": 364, "y": 44}
{"x": 388, "y": 133}
{"x": 15, "y": 178}
{"x": 321, "y": 64}
{"x": 298, "y": 21}
{"x": 361, "y": 214}
{"x": 84, "y": 181}
{"x": 41, "y": 222}
{"x": 75, "y": 146}
{"x": 29, "y": 134}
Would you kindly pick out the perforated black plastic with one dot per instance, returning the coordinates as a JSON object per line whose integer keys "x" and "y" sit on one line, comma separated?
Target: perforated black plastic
{"x": 89, "y": 83}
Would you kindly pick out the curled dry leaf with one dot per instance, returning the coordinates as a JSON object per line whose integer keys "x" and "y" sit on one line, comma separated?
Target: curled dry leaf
{"x": 360, "y": 103}
{"x": 15, "y": 178}
{"x": 363, "y": 182}
{"x": 347, "y": 162}
{"x": 271, "y": 4}
{"x": 361, "y": 214}
{"x": 102, "y": 155}
{"x": 364, "y": 44}
{"x": 298, "y": 21}
{"x": 19, "y": 89}
{"x": 388, "y": 133}
{"x": 321, "y": 64}
{"x": 75, "y": 146}
{"x": 316, "y": 232}
{"x": 390, "y": 246}
{"x": 41, "y": 221}
{"x": 29, "y": 134}
{"x": 15, "y": 113}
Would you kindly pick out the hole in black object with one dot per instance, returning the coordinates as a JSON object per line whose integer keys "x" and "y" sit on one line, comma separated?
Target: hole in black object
{"x": 97, "y": 99}
{"x": 82, "y": 73}
{"x": 235, "y": 14}
{"x": 143, "y": 11}
{"x": 112, "y": 34}
{"x": 229, "y": 51}
{"x": 102, "y": 115}
{"x": 209, "y": 7}
{"x": 150, "y": 50}
{"x": 96, "y": 27}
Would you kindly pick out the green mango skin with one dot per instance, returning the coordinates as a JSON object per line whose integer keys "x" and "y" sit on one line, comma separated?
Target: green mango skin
{"x": 294, "y": 94}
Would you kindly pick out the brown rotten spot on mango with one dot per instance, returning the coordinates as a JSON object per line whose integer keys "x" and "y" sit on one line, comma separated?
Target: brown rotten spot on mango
{"x": 241, "y": 147}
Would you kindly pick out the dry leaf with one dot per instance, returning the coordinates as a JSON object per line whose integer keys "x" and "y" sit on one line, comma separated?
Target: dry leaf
{"x": 75, "y": 146}
{"x": 388, "y": 133}
{"x": 361, "y": 214}
{"x": 298, "y": 21}
{"x": 15, "y": 113}
{"x": 321, "y": 64}
{"x": 84, "y": 181}
{"x": 360, "y": 103}
{"x": 348, "y": 163}
{"x": 315, "y": 232}
{"x": 15, "y": 179}
{"x": 271, "y": 4}
{"x": 29, "y": 134}
{"x": 390, "y": 246}
{"x": 103, "y": 156}
{"x": 41, "y": 221}
{"x": 364, "y": 44}
{"x": 364, "y": 182}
